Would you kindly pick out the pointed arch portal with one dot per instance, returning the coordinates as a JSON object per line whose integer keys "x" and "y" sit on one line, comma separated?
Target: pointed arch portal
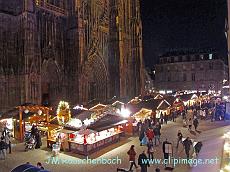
{"x": 95, "y": 79}
{"x": 50, "y": 80}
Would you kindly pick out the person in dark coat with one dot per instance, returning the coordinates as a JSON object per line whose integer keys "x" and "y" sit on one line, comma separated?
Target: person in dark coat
{"x": 166, "y": 155}
{"x": 165, "y": 118}
{"x": 139, "y": 126}
{"x": 3, "y": 147}
{"x": 195, "y": 123}
{"x": 198, "y": 147}
{"x": 33, "y": 130}
{"x": 187, "y": 146}
{"x": 157, "y": 134}
{"x": 38, "y": 140}
{"x": 132, "y": 155}
{"x": 179, "y": 138}
{"x": 143, "y": 162}
{"x": 173, "y": 116}
{"x": 141, "y": 136}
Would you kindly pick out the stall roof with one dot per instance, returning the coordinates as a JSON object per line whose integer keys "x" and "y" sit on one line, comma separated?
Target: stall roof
{"x": 77, "y": 112}
{"x": 163, "y": 105}
{"x": 133, "y": 108}
{"x": 186, "y": 97}
{"x": 148, "y": 97}
{"x": 106, "y": 122}
{"x": 9, "y": 114}
{"x": 83, "y": 115}
{"x": 98, "y": 107}
{"x": 151, "y": 104}
{"x": 170, "y": 99}
{"x": 159, "y": 96}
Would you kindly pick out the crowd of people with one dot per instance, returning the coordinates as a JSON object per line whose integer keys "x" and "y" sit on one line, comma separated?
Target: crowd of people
{"x": 149, "y": 132}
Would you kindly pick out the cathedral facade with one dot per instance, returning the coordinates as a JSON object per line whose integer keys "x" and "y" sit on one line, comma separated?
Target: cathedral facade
{"x": 73, "y": 50}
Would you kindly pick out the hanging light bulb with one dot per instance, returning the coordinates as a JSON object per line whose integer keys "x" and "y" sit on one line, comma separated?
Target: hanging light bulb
{"x": 39, "y": 112}
{"x": 26, "y": 111}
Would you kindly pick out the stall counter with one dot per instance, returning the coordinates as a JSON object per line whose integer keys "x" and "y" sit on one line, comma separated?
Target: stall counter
{"x": 86, "y": 149}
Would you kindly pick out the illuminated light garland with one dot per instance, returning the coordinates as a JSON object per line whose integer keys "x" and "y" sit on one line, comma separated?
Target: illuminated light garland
{"x": 63, "y": 112}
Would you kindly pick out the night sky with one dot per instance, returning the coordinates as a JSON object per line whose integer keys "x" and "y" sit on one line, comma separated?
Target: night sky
{"x": 175, "y": 25}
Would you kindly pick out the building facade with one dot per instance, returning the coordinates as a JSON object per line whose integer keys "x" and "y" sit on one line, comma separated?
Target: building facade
{"x": 202, "y": 72}
{"x": 73, "y": 50}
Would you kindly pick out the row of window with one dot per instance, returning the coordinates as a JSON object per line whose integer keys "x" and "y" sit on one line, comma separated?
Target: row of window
{"x": 187, "y": 58}
{"x": 201, "y": 67}
{"x": 185, "y": 77}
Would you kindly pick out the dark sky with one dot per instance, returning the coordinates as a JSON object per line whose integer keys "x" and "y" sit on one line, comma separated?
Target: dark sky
{"x": 182, "y": 24}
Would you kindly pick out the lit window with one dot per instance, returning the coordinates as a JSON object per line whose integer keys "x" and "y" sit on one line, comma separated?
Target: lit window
{"x": 210, "y": 57}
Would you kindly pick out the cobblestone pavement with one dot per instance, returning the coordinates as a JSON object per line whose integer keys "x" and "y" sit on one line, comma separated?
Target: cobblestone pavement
{"x": 169, "y": 131}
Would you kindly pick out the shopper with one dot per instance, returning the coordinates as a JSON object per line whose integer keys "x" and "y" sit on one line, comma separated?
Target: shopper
{"x": 132, "y": 155}
{"x": 8, "y": 141}
{"x": 3, "y": 147}
{"x": 187, "y": 146}
{"x": 179, "y": 138}
{"x": 157, "y": 134}
{"x": 150, "y": 134}
{"x": 150, "y": 149}
{"x": 143, "y": 162}
{"x": 195, "y": 123}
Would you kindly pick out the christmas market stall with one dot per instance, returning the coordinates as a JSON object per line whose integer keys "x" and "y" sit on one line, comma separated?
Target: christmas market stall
{"x": 21, "y": 120}
{"x": 97, "y": 135}
{"x": 189, "y": 99}
{"x": 143, "y": 114}
{"x": 86, "y": 132}
{"x": 157, "y": 106}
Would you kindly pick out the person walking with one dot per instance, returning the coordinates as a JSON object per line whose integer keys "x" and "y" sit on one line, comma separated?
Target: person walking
{"x": 3, "y": 147}
{"x": 139, "y": 126}
{"x": 187, "y": 146}
{"x": 173, "y": 115}
{"x": 195, "y": 123}
{"x": 157, "y": 134}
{"x": 132, "y": 155}
{"x": 190, "y": 124}
{"x": 141, "y": 136}
{"x": 150, "y": 134}
{"x": 150, "y": 149}
{"x": 8, "y": 141}
{"x": 143, "y": 162}
{"x": 165, "y": 118}
{"x": 165, "y": 151}
{"x": 179, "y": 138}
{"x": 38, "y": 140}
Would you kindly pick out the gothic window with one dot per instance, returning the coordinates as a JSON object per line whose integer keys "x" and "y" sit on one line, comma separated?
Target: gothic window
{"x": 184, "y": 77}
{"x": 193, "y": 77}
